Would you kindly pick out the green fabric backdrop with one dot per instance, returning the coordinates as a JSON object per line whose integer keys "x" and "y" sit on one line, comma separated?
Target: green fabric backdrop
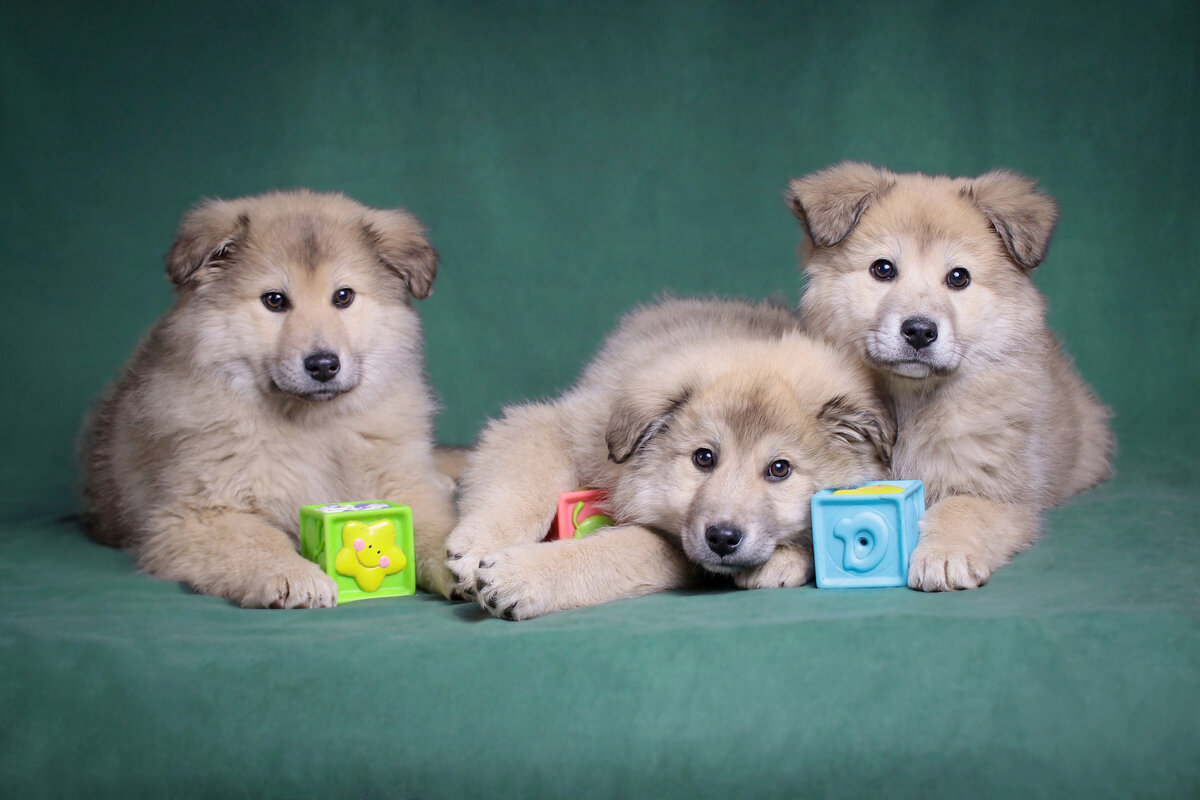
{"x": 571, "y": 160}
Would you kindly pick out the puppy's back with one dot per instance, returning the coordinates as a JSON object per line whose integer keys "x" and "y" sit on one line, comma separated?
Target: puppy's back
{"x": 1077, "y": 411}
{"x": 647, "y": 331}
{"x": 111, "y": 441}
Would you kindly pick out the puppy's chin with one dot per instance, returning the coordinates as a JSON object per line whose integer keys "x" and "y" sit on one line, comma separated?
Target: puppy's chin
{"x": 915, "y": 370}
{"x": 722, "y": 569}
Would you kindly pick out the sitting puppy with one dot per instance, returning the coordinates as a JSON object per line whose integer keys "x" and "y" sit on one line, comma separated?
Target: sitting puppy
{"x": 289, "y": 372}
{"x": 927, "y": 281}
{"x": 709, "y": 424}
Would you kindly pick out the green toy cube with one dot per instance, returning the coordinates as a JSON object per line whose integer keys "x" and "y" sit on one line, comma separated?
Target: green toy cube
{"x": 367, "y": 548}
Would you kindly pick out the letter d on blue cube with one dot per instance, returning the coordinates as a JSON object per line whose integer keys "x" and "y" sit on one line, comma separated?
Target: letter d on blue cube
{"x": 863, "y": 537}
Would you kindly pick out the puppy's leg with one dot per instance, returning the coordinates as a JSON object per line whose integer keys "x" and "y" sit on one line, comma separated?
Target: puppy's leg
{"x": 528, "y": 580}
{"x": 236, "y": 556}
{"x": 964, "y": 539}
{"x": 451, "y": 461}
{"x": 510, "y": 488}
{"x": 789, "y": 565}
{"x": 433, "y": 519}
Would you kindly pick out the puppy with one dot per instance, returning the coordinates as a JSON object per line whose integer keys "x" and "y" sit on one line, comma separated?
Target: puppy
{"x": 926, "y": 280}
{"x": 710, "y": 424}
{"x": 289, "y": 372}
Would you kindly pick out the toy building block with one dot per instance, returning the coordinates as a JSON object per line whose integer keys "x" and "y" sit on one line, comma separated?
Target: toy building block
{"x": 367, "y": 548}
{"x": 864, "y": 537}
{"x": 578, "y": 515}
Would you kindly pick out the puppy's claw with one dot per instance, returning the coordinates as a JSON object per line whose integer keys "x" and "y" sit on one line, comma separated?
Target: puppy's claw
{"x": 304, "y": 587}
{"x": 946, "y": 572}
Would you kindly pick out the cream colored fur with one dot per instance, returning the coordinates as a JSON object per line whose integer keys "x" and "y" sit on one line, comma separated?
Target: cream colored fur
{"x": 201, "y": 455}
{"x": 992, "y": 415}
{"x": 675, "y": 377}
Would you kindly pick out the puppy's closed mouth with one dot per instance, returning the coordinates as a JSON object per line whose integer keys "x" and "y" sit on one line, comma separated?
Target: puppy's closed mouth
{"x": 315, "y": 396}
{"x": 911, "y": 367}
{"x": 729, "y": 564}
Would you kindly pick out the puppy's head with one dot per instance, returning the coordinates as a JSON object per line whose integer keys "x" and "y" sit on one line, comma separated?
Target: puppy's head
{"x": 922, "y": 276}
{"x": 298, "y": 295}
{"x": 724, "y": 445}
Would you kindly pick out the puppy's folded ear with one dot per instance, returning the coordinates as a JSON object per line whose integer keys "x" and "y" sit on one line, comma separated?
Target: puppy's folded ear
{"x": 866, "y": 427}
{"x": 399, "y": 239}
{"x": 829, "y": 203}
{"x": 206, "y": 238}
{"x": 639, "y": 417}
{"x": 1023, "y": 216}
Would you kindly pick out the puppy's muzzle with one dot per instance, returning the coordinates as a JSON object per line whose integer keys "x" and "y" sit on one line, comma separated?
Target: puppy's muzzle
{"x": 322, "y": 367}
{"x": 723, "y": 538}
{"x": 919, "y": 332}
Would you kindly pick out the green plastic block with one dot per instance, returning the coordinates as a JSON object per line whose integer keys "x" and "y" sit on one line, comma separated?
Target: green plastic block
{"x": 367, "y": 548}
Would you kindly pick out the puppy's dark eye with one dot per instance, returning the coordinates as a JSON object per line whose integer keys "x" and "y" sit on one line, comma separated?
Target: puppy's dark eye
{"x": 275, "y": 301}
{"x": 778, "y": 470}
{"x": 343, "y": 297}
{"x": 883, "y": 270}
{"x": 958, "y": 278}
{"x": 704, "y": 459}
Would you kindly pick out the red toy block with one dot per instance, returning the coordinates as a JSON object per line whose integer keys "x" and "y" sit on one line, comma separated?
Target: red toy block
{"x": 579, "y": 514}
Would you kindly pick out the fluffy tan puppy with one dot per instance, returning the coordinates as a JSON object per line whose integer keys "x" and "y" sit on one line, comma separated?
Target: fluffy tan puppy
{"x": 289, "y": 372}
{"x": 926, "y": 280}
{"x": 709, "y": 423}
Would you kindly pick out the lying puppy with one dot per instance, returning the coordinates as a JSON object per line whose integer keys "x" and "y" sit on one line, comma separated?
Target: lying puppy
{"x": 710, "y": 424}
{"x": 927, "y": 281}
{"x": 289, "y": 372}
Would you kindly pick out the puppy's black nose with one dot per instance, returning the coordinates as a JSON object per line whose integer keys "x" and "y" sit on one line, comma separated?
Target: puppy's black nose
{"x": 723, "y": 539}
{"x": 919, "y": 332}
{"x": 322, "y": 366}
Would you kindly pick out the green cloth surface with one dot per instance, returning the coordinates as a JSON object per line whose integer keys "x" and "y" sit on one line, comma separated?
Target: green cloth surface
{"x": 572, "y": 160}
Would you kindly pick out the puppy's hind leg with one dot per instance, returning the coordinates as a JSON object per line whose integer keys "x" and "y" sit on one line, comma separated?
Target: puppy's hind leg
{"x": 510, "y": 487}
{"x": 234, "y": 555}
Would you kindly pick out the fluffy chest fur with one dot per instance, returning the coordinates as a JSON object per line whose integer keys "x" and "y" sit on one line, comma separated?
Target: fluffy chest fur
{"x": 964, "y": 439}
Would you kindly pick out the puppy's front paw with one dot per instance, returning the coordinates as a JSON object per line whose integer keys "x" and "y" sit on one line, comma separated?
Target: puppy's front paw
{"x": 464, "y": 548}
{"x": 506, "y": 583}
{"x": 787, "y": 566}
{"x": 298, "y": 585}
{"x": 943, "y": 568}
{"x": 462, "y": 566}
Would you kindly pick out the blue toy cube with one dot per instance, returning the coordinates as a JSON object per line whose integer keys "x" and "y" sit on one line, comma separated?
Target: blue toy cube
{"x": 367, "y": 548}
{"x": 864, "y": 537}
